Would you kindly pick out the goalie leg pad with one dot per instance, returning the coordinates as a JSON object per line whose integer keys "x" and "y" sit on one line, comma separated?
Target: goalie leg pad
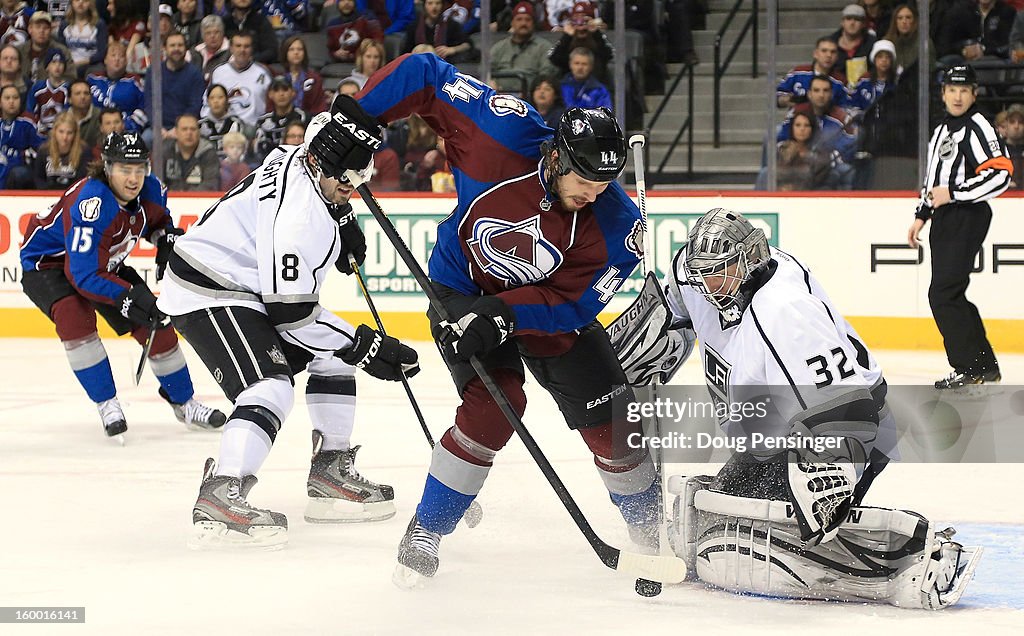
{"x": 879, "y": 555}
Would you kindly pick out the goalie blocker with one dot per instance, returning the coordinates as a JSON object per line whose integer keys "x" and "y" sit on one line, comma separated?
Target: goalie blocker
{"x": 879, "y": 555}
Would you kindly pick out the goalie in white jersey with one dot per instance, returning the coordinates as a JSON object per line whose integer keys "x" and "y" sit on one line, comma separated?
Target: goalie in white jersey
{"x": 243, "y": 288}
{"x": 788, "y": 522}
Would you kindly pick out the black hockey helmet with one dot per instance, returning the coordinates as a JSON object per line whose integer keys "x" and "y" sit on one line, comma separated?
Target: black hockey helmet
{"x": 961, "y": 74}
{"x": 591, "y": 144}
{"x": 124, "y": 148}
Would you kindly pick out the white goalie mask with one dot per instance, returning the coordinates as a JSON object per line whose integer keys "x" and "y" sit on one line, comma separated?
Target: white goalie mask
{"x": 724, "y": 251}
{"x": 315, "y": 172}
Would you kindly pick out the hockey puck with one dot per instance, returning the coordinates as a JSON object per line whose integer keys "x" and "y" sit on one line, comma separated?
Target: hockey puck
{"x": 648, "y": 588}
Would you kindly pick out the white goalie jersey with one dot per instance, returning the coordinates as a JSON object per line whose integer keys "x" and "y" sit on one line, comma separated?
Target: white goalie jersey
{"x": 790, "y": 338}
{"x": 267, "y": 245}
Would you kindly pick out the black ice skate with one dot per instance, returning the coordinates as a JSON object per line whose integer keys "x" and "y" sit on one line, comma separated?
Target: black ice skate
{"x": 113, "y": 419}
{"x": 223, "y": 518}
{"x": 339, "y": 494}
{"x": 417, "y": 555}
{"x": 960, "y": 379}
{"x": 195, "y": 415}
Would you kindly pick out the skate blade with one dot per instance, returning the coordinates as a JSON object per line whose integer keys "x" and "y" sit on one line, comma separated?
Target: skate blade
{"x": 205, "y": 429}
{"x": 117, "y": 439}
{"x": 407, "y": 578}
{"x": 330, "y": 510}
{"x": 972, "y": 556}
{"x": 216, "y": 535}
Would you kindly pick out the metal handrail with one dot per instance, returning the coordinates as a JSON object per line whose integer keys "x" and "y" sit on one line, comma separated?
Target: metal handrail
{"x": 722, "y": 67}
{"x": 685, "y": 127}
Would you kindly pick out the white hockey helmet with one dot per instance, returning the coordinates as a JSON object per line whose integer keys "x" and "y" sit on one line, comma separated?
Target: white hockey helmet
{"x": 312, "y": 130}
{"x": 724, "y": 251}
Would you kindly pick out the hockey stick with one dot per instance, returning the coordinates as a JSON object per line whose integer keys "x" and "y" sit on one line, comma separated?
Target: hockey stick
{"x": 474, "y": 513}
{"x": 146, "y": 348}
{"x": 652, "y": 567}
{"x": 646, "y": 587}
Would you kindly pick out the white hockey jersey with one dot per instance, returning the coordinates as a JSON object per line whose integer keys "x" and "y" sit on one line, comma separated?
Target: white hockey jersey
{"x": 267, "y": 244}
{"x": 247, "y": 90}
{"x": 790, "y": 339}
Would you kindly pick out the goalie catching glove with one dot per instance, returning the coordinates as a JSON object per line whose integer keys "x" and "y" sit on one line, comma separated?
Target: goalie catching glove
{"x": 347, "y": 141}
{"x": 489, "y": 323}
{"x": 381, "y": 356}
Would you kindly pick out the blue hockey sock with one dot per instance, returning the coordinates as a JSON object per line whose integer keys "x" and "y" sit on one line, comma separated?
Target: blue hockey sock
{"x": 97, "y": 380}
{"x": 169, "y": 368}
{"x": 441, "y": 507}
{"x": 642, "y": 508}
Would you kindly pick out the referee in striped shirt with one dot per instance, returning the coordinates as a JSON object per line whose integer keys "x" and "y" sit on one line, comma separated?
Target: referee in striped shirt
{"x": 967, "y": 166}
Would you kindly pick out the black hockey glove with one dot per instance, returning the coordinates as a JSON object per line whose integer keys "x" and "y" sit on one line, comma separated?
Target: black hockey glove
{"x": 489, "y": 323}
{"x": 164, "y": 245}
{"x": 352, "y": 239}
{"x": 348, "y": 140}
{"x": 138, "y": 304}
{"x": 381, "y": 356}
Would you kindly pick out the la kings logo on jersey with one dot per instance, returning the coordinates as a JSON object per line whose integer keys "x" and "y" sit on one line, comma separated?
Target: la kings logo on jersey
{"x": 514, "y": 252}
{"x": 716, "y": 375}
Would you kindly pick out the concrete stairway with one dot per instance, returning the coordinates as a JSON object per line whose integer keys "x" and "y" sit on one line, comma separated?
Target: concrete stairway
{"x": 744, "y": 99}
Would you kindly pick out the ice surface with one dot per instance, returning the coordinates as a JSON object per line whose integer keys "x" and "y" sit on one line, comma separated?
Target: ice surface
{"x": 87, "y": 523}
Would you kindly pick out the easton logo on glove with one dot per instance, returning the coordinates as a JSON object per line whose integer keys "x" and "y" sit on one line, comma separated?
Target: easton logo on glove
{"x": 356, "y": 131}
{"x": 381, "y": 356}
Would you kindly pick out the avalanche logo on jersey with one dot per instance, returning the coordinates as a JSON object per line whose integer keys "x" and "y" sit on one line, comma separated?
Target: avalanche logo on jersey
{"x": 635, "y": 240}
{"x": 90, "y": 209}
{"x": 241, "y": 96}
{"x": 502, "y": 105}
{"x": 513, "y": 252}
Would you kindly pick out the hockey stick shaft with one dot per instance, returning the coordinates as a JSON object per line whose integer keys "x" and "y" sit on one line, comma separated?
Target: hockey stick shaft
{"x": 637, "y": 142}
{"x": 380, "y": 325}
{"x": 146, "y": 348}
{"x": 667, "y": 569}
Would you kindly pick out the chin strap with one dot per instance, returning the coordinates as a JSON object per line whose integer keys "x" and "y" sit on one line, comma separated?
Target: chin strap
{"x": 550, "y": 195}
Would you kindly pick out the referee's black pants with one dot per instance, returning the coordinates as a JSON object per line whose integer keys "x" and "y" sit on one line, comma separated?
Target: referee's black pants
{"x": 957, "y": 232}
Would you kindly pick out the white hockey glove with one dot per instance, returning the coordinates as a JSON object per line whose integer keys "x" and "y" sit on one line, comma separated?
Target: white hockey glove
{"x": 648, "y": 346}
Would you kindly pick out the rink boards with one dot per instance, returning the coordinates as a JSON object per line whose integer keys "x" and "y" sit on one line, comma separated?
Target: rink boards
{"x": 854, "y": 244}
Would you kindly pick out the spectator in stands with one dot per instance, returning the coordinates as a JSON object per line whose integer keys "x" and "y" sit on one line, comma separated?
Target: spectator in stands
{"x": 18, "y": 141}
{"x": 880, "y": 79}
{"x": 579, "y": 88}
{"x": 287, "y": 17}
{"x": 49, "y": 97}
{"x": 558, "y": 12}
{"x": 111, "y": 120}
{"x": 166, "y": 21}
{"x": 190, "y": 162}
{"x": 396, "y": 15}
{"x": 370, "y": 58}
{"x": 421, "y": 158}
{"x": 522, "y": 51}
{"x": 877, "y": 16}
{"x": 244, "y": 18}
{"x": 233, "y": 167}
{"x": 502, "y": 14}
{"x": 801, "y": 164}
{"x": 347, "y": 31}
{"x": 640, "y": 16}
{"x": 182, "y": 85}
{"x": 128, "y": 26}
{"x": 1017, "y": 38}
{"x": 996, "y": 18}
{"x": 187, "y": 20}
{"x": 86, "y": 114}
{"x": 793, "y": 88}
{"x": 903, "y": 34}
{"x": 116, "y": 88}
{"x": 217, "y": 121}
{"x": 1010, "y": 124}
{"x": 14, "y": 15}
{"x": 246, "y": 80}
{"x": 835, "y": 132}
{"x": 85, "y": 35}
{"x": 465, "y": 12}
{"x": 583, "y": 29}
{"x": 63, "y": 158}
{"x": 348, "y": 86}
{"x": 32, "y": 51}
{"x": 854, "y": 42}
{"x": 294, "y": 133}
{"x": 955, "y": 30}
{"x": 214, "y": 50}
{"x": 10, "y": 69}
{"x": 446, "y": 36}
{"x": 270, "y": 127}
{"x": 308, "y": 84}
{"x": 547, "y": 99}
